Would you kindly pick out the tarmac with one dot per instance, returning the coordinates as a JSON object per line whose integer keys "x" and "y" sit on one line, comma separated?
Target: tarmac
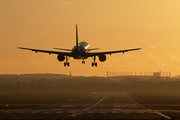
{"x": 93, "y": 106}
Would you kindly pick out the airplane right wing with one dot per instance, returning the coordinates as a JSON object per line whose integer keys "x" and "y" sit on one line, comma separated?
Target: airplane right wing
{"x": 110, "y": 52}
{"x": 48, "y": 51}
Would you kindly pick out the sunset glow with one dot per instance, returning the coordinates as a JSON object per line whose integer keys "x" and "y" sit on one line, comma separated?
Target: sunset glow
{"x": 109, "y": 25}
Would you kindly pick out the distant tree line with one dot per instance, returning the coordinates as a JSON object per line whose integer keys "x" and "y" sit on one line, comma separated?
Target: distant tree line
{"x": 88, "y": 84}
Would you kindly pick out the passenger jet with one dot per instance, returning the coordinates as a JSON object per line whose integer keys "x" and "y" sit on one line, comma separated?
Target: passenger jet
{"x": 80, "y": 51}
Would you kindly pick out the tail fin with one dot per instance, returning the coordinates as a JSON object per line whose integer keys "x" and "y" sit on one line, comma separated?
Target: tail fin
{"x": 76, "y": 36}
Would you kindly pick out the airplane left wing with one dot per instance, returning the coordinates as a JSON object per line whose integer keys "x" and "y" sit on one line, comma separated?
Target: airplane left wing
{"x": 47, "y": 51}
{"x": 110, "y": 52}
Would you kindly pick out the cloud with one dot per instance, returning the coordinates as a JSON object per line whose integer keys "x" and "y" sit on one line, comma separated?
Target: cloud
{"x": 153, "y": 60}
{"x": 123, "y": 62}
{"x": 154, "y": 63}
{"x": 152, "y": 47}
{"x": 151, "y": 56}
{"x": 65, "y": 3}
{"x": 173, "y": 59}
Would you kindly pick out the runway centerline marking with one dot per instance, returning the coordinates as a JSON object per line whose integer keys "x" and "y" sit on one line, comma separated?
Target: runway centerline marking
{"x": 102, "y": 112}
{"x": 90, "y": 112}
{"x": 139, "y": 111}
{"x": 33, "y": 112}
{"x": 165, "y": 116}
{"x": 115, "y": 112}
{"x": 120, "y": 106}
{"x": 67, "y": 105}
{"x": 127, "y": 112}
{"x": 46, "y": 112}
{"x": 21, "y": 112}
{"x": 72, "y": 111}
{"x": 117, "y": 109}
{"x": 59, "y": 112}
{"x": 76, "y": 114}
{"x": 95, "y": 104}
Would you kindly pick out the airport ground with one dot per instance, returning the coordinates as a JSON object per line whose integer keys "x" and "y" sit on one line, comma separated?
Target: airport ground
{"x": 90, "y": 105}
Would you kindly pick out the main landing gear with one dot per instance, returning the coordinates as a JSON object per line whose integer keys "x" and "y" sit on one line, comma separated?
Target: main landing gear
{"x": 83, "y": 62}
{"x": 66, "y": 63}
{"x": 94, "y": 63}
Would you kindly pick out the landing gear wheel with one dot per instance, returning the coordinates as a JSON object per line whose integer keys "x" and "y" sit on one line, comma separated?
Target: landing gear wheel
{"x": 83, "y": 62}
{"x": 95, "y": 64}
{"x": 92, "y": 64}
{"x": 68, "y": 64}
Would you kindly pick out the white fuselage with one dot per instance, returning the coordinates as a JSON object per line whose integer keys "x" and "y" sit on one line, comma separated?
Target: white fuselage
{"x": 80, "y": 51}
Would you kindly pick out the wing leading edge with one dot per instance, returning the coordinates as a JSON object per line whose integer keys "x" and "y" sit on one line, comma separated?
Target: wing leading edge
{"x": 111, "y": 52}
{"x": 48, "y": 51}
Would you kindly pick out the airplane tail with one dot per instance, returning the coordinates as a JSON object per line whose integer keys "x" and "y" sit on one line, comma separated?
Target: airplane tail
{"x": 76, "y": 36}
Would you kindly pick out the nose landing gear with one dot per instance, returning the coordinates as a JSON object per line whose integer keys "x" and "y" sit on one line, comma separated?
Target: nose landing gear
{"x": 94, "y": 63}
{"x": 66, "y": 63}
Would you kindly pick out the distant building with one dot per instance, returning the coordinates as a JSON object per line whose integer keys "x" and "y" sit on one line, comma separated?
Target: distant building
{"x": 178, "y": 76}
{"x": 156, "y": 74}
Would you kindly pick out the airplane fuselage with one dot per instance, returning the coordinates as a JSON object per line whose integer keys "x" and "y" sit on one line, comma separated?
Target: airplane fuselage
{"x": 80, "y": 52}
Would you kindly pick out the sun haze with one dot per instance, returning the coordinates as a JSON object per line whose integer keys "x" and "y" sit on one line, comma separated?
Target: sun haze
{"x": 109, "y": 25}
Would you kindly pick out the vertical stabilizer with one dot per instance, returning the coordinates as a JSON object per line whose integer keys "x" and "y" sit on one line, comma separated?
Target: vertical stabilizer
{"x": 76, "y": 36}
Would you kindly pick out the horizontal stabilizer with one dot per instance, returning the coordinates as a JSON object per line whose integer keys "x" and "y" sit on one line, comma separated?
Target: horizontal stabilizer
{"x": 62, "y": 49}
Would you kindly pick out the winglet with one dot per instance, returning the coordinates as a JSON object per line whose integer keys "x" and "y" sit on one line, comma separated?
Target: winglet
{"x": 76, "y": 36}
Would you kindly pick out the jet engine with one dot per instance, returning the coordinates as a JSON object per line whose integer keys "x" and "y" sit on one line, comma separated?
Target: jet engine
{"x": 102, "y": 57}
{"x": 61, "y": 57}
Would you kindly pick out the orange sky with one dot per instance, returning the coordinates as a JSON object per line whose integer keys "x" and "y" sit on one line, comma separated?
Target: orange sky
{"x": 153, "y": 25}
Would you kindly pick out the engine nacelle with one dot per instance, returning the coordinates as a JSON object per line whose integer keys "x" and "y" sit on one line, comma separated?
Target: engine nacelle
{"x": 102, "y": 58}
{"x": 61, "y": 57}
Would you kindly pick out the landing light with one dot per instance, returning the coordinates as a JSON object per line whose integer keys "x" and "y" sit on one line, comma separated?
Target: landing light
{"x": 87, "y": 46}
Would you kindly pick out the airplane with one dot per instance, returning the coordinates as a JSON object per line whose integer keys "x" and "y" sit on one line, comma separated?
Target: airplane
{"x": 79, "y": 51}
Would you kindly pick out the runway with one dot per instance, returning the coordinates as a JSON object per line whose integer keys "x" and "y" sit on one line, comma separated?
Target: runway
{"x": 95, "y": 106}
